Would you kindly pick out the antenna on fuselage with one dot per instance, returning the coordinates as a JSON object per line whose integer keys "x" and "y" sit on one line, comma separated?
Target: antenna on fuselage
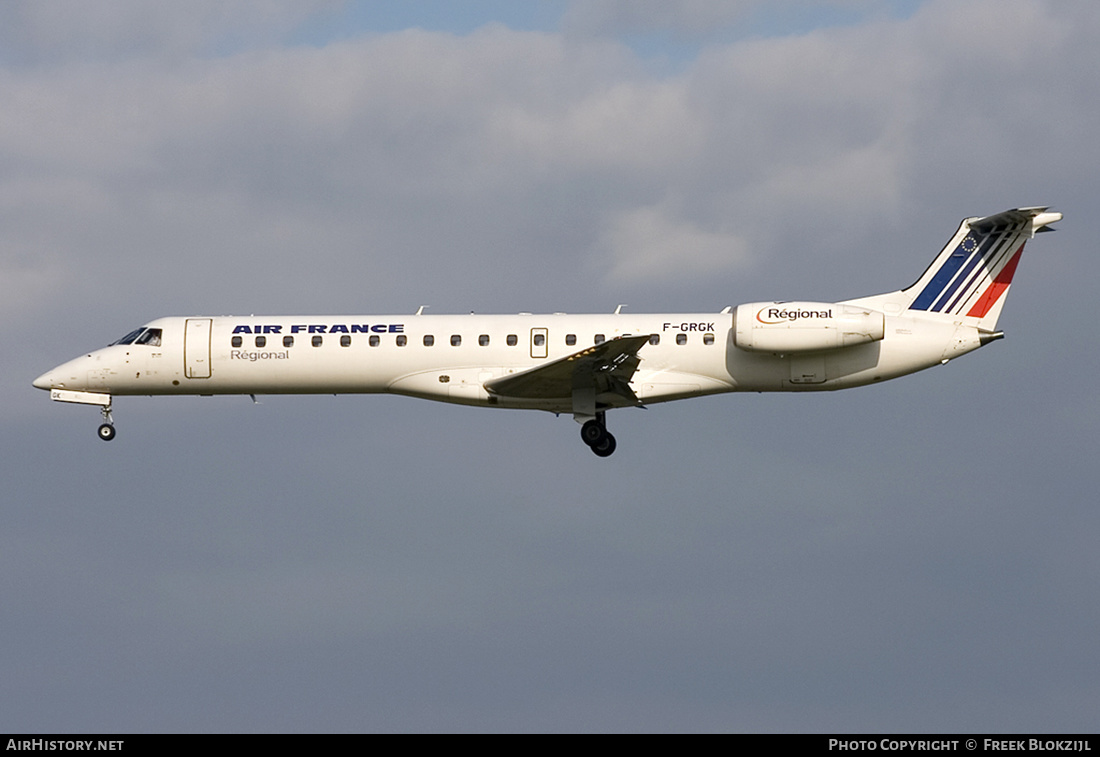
{"x": 420, "y": 310}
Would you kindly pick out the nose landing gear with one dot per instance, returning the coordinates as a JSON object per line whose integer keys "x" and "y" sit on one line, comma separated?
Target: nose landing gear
{"x": 594, "y": 433}
{"x": 107, "y": 430}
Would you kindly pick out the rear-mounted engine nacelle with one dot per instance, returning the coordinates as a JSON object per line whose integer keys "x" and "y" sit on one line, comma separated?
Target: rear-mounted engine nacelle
{"x": 785, "y": 327}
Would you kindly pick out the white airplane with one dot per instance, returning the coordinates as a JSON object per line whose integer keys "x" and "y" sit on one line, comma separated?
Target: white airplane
{"x": 579, "y": 364}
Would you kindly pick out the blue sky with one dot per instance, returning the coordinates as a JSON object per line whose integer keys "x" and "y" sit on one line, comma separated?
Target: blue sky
{"x": 351, "y": 18}
{"x": 915, "y": 556}
{"x": 354, "y": 18}
{"x": 652, "y": 38}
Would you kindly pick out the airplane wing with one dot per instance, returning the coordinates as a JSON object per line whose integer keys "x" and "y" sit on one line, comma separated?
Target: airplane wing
{"x": 607, "y": 367}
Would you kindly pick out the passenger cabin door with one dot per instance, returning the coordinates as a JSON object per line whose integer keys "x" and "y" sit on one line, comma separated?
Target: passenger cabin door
{"x": 196, "y": 348}
{"x": 538, "y": 343}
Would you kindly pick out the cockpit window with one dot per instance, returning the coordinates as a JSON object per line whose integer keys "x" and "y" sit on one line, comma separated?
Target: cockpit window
{"x": 129, "y": 338}
{"x": 150, "y": 337}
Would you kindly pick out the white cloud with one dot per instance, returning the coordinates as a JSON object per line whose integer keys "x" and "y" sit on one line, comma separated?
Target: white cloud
{"x": 651, "y": 243}
{"x": 634, "y": 126}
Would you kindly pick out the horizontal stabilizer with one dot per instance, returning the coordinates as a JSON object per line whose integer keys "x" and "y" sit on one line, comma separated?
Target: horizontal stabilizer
{"x": 1037, "y": 218}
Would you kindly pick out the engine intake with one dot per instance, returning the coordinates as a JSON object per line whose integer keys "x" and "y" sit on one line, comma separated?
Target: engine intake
{"x": 786, "y": 327}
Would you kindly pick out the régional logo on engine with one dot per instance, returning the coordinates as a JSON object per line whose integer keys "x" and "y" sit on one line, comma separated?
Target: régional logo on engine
{"x": 774, "y": 315}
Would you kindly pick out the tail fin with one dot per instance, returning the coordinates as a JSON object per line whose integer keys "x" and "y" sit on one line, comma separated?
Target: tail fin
{"x": 971, "y": 276}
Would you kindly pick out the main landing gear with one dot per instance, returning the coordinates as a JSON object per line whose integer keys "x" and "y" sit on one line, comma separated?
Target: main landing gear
{"x": 594, "y": 433}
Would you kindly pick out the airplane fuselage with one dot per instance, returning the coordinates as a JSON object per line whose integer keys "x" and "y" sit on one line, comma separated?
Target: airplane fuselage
{"x": 450, "y": 357}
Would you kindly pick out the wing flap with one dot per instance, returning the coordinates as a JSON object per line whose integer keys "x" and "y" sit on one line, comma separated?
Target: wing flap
{"x": 607, "y": 366}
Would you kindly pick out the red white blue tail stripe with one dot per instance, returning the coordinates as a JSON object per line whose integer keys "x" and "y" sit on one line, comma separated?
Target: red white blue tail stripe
{"x": 971, "y": 271}
{"x": 971, "y": 275}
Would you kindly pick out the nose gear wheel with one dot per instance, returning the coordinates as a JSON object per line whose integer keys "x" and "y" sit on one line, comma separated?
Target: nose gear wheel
{"x": 107, "y": 430}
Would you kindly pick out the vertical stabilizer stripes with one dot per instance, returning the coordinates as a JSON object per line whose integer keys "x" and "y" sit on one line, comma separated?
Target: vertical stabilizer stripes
{"x": 997, "y": 288}
{"x": 974, "y": 275}
{"x": 947, "y": 271}
{"x": 976, "y": 256}
{"x": 991, "y": 263}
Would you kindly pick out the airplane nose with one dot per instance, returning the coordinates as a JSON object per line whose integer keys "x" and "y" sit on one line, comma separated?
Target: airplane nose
{"x": 45, "y": 381}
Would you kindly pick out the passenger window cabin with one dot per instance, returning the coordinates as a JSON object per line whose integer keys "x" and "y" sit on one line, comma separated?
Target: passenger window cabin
{"x": 152, "y": 337}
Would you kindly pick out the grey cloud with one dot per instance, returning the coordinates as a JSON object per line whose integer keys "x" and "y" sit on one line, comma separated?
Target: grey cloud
{"x": 700, "y": 21}
{"x": 48, "y": 32}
